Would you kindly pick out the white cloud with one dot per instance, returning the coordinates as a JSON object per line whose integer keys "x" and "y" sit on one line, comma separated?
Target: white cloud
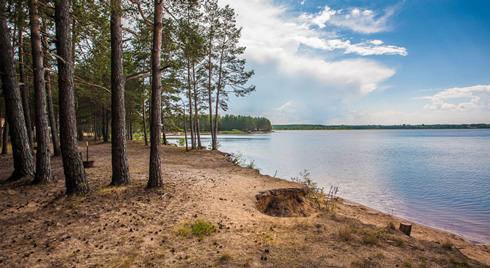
{"x": 272, "y": 36}
{"x": 475, "y": 98}
{"x": 363, "y": 21}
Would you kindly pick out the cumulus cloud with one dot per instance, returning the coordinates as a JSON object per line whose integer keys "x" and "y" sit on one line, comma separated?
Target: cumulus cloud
{"x": 273, "y": 36}
{"x": 359, "y": 20}
{"x": 467, "y": 98}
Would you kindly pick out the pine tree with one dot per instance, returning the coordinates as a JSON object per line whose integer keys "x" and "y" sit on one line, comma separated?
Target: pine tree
{"x": 43, "y": 157}
{"x": 23, "y": 161}
{"x": 75, "y": 179}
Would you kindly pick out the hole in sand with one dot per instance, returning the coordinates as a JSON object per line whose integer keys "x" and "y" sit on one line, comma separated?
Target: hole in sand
{"x": 285, "y": 202}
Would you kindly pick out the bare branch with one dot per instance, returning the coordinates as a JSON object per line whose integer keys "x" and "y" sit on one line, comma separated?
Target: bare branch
{"x": 82, "y": 82}
{"x": 144, "y": 74}
{"x": 136, "y": 2}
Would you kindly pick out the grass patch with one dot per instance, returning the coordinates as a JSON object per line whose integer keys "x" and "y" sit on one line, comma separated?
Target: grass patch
{"x": 112, "y": 190}
{"x": 459, "y": 262}
{"x": 407, "y": 264}
{"x": 346, "y": 233}
{"x": 398, "y": 241}
{"x": 447, "y": 245}
{"x": 370, "y": 239}
{"x": 202, "y": 228}
{"x": 184, "y": 229}
{"x": 225, "y": 257}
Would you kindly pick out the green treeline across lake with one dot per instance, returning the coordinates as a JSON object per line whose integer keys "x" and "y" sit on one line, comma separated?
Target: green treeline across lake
{"x": 344, "y": 127}
{"x": 226, "y": 123}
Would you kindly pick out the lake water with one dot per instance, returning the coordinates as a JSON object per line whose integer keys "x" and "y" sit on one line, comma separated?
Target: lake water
{"x": 440, "y": 178}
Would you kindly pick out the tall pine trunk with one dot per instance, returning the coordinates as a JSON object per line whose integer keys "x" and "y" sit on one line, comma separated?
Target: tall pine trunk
{"x": 196, "y": 110}
{"x": 52, "y": 118}
{"x": 144, "y": 122}
{"x": 120, "y": 169}
{"x": 155, "y": 178}
{"x": 43, "y": 157}
{"x": 75, "y": 179}
{"x": 24, "y": 92}
{"x": 23, "y": 161}
{"x": 218, "y": 91}
{"x": 210, "y": 96}
{"x": 191, "y": 122}
{"x": 164, "y": 136}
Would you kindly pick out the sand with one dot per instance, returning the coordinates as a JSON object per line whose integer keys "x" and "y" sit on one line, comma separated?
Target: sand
{"x": 132, "y": 226}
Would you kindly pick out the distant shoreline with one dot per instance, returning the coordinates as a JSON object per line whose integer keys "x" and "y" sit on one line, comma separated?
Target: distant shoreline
{"x": 367, "y": 127}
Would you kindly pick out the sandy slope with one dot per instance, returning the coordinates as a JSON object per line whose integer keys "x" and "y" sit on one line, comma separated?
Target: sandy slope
{"x": 132, "y": 226}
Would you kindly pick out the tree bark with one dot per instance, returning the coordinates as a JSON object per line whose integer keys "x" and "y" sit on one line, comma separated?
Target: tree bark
{"x": 191, "y": 122}
{"x": 120, "y": 168}
{"x": 75, "y": 179}
{"x": 43, "y": 152}
{"x": 52, "y": 118}
{"x": 164, "y": 136}
{"x": 25, "y": 93}
{"x": 210, "y": 97}
{"x": 5, "y": 138}
{"x": 196, "y": 117}
{"x": 144, "y": 122}
{"x": 218, "y": 89}
{"x": 23, "y": 161}
{"x": 155, "y": 178}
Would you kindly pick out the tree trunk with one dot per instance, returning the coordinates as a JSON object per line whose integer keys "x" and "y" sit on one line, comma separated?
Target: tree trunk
{"x": 23, "y": 161}
{"x": 155, "y": 178}
{"x": 5, "y": 138}
{"x": 218, "y": 89}
{"x": 196, "y": 117}
{"x": 210, "y": 98}
{"x": 76, "y": 182}
{"x": 120, "y": 168}
{"x": 164, "y": 139}
{"x": 43, "y": 153}
{"x": 144, "y": 122}
{"x": 52, "y": 118}
{"x": 25, "y": 93}
{"x": 191, "y": 123}
{"x": 185, "y": 132}
{"x": 1, "y": 126}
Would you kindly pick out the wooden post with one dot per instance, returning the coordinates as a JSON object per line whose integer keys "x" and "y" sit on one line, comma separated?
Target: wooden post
{"x": 406, "y": 228}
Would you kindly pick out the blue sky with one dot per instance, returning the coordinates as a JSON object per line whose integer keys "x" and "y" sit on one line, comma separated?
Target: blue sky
{"x": 366, "y": 62}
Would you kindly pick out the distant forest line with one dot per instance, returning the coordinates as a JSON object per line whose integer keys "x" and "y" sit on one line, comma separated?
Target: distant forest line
{"x": 226, "y": 123}
{"x": 352, "y": 127}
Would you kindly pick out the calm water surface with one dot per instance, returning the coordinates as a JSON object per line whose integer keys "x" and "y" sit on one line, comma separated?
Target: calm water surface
{"x": 440, "y": 178}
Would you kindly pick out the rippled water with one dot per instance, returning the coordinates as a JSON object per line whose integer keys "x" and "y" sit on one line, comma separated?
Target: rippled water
{"x": 440, "y": 178}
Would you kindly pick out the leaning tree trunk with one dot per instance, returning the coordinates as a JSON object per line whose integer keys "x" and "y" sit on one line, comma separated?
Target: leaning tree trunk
{"x": 23, "y": 161}
{"x": 155, "y": 179}
{"x": 24, "y": 92}
{"x": 76, "y": 182}
{"x": 120, "y": 168}
{"x": 43, "y": 157}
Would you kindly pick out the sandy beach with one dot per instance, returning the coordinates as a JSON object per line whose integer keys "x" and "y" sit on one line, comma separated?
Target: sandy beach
{"x": 257, "y": 221}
